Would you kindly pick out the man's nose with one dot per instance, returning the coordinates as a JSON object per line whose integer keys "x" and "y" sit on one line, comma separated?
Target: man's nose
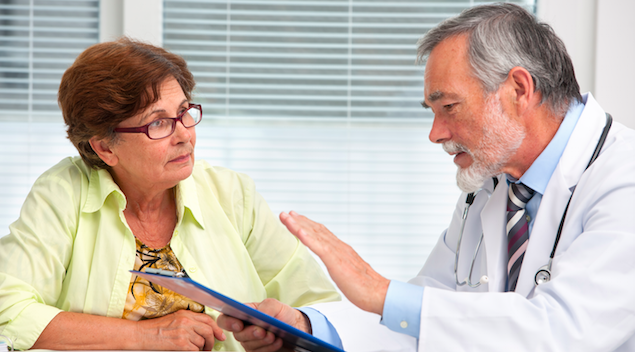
{"x": 439, "y": 132}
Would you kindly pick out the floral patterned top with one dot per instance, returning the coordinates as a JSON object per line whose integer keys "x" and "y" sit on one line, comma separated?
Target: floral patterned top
{"x": 146, "y": 300}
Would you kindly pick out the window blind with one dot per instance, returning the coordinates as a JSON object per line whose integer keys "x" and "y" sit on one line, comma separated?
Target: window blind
{"x": 318, "y": 101}
{"x": 39, "y": 39}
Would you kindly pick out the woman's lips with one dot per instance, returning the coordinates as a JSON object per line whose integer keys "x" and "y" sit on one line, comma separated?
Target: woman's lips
{"x": 182, "y": 158}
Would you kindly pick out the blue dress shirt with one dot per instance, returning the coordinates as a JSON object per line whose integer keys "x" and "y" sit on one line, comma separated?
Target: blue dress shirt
{"x": 321, "y": 327}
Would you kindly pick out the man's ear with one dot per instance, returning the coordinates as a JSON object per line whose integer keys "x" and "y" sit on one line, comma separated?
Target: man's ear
{"x": 104, "y": 151}
{"x": 523, "y": 87}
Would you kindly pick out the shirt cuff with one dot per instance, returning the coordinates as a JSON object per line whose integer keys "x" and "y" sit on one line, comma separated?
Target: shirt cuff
{"x": 321, "y": 327}
{"x": 402, "y": 308}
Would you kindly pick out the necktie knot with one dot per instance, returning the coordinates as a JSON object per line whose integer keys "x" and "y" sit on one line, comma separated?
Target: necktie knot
{"x": 518, "y": 196}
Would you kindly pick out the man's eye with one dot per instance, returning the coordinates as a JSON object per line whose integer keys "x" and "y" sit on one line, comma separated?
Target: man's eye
{"x": 448, "y": 106}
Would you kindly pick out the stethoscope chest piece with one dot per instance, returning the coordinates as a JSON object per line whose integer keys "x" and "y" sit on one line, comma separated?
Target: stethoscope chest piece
{"x": 542, "y": 275}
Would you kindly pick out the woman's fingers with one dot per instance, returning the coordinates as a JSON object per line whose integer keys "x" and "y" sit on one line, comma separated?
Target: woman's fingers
{"x": 182, "y": 330}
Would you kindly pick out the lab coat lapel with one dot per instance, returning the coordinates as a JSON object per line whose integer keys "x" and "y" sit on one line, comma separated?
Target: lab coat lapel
{"x": 566, "y": 175}
{"x": 494, "y": 237}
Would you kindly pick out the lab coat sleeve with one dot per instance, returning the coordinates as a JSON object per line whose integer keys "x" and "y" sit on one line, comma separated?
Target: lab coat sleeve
{"x": 588, "y": 304}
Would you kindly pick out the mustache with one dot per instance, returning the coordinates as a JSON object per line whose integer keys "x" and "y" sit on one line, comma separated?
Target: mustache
{"x": 451, "y": 147}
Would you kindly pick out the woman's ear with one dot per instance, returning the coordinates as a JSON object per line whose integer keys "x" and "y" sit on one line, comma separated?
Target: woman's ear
{"x": 104, "y": 151}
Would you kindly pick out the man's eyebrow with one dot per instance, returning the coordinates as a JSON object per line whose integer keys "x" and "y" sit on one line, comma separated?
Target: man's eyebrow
{"x": 432, "y": 98}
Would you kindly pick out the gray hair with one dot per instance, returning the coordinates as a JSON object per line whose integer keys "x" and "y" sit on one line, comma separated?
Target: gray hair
{"x": 502, "y": 36}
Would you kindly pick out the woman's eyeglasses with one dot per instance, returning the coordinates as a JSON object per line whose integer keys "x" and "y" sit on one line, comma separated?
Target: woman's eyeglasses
{"x": 162, "y": 128}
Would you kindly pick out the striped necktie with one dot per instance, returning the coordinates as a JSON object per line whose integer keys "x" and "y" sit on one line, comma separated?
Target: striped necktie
{"x": 517, "y": 230}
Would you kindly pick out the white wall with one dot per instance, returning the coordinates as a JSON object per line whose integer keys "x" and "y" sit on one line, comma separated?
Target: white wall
{"x": 600, "y": 37}
{"x": 140, "y": 19}
{"x": 615, "y": 69}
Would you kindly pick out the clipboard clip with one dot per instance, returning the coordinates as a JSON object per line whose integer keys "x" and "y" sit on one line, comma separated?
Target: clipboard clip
{"x": 165, "y": 272}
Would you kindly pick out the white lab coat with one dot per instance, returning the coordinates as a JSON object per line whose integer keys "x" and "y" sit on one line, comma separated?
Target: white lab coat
{"x": 589, "y": 305}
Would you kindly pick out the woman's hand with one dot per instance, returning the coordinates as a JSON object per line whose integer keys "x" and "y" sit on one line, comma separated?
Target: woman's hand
{"x": 181, "y": 330}
{"x": 362, "y": 285}
{"x": 256, "y": 339}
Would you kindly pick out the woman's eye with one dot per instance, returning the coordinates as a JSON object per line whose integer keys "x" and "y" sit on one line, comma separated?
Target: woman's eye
{"x": 157, "y": 123}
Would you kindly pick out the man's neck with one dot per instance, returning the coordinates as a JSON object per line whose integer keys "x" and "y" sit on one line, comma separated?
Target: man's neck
{"x": 541, "y": 126}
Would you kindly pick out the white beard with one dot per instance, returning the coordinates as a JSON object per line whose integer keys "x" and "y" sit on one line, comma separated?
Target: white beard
{"x": 501, "y": 137}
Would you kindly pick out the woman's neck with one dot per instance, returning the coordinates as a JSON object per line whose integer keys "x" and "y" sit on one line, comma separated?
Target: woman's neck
{"x": 152, "y": 219}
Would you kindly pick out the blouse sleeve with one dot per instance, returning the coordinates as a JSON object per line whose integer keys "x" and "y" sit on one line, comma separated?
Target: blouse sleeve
{"x": 286, "y": 268}
{"x": 35, "y": 255}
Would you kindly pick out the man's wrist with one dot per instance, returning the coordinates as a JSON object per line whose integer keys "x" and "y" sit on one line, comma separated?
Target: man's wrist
{"x": 303, "y": 323}
{"x": 402, "y": 308}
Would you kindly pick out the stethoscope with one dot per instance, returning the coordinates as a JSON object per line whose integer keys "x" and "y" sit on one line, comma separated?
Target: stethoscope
{"x": 543, "y": 274}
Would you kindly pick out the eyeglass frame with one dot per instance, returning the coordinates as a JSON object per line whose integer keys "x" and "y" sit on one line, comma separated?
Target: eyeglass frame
{"x": 144, "y": 128}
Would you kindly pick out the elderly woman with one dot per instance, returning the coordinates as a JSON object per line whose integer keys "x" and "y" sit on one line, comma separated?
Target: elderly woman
{"x": 137, "y": 199}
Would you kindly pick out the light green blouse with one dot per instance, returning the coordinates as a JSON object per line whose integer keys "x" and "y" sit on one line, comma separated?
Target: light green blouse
{"x": 71, "y": 249}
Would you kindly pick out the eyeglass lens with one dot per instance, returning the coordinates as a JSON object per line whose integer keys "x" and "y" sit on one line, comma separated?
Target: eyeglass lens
{"x": 162, "y": 128}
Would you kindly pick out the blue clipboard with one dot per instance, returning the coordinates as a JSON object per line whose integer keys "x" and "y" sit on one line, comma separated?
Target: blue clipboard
{"x": 294, "y": 339}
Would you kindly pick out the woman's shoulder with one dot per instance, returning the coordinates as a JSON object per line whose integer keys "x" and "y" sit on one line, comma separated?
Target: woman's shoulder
{"x": 61, "y": 188}
{"x": 69, "y": 169}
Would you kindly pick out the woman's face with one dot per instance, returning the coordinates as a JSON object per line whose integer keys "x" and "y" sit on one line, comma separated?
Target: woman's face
{"x": 148, "y": 164}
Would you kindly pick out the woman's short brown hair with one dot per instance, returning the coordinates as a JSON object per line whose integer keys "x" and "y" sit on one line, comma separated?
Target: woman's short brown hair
{"x": 111, "y": 82}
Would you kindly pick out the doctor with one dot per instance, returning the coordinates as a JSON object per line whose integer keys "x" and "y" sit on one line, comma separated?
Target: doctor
{"x": 507, "y": 105}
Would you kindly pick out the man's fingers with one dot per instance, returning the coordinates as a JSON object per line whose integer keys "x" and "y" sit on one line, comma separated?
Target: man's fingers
{"x": 230, "y": 323}
{"x": 296, "y": 229}
{"x": 355, "y": 278}
{"x": 289, "y": 222}
{"x": 310, "y": 233}
{"x": 264, "y": 341}
{"x": 270, "y": 307}
{"x": 253, "y": 337}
